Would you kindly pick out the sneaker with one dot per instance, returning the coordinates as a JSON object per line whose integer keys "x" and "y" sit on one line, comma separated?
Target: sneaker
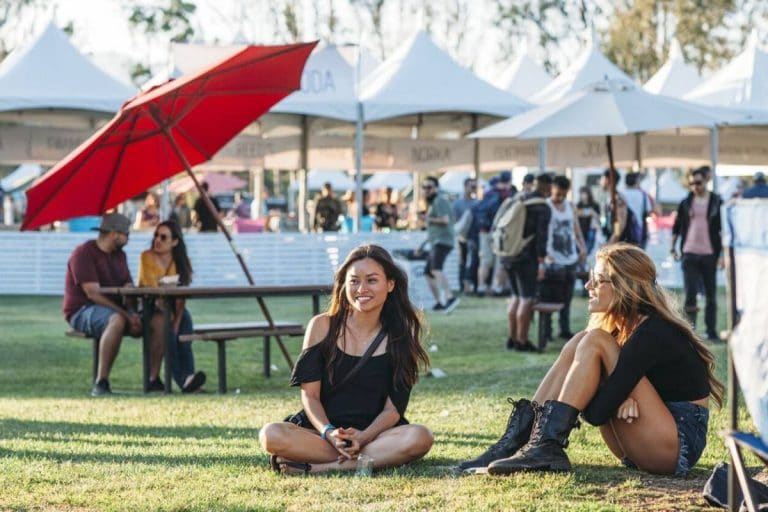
{"x": 713, "y": 338}
{"x": 156, "y": 385}
{"x": 438, "y": 307}
{"x": 101, "y": 388}
{"x": 195, "y": 384}
{"x": 451, "y": 305}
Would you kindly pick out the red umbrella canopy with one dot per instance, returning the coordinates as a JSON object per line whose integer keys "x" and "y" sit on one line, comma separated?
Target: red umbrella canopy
{"x": 165, "y": 130}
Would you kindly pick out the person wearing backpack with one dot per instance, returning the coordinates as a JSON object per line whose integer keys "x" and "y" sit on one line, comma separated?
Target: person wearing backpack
{"x": 621, "y": 225}
{"x": 640, "y": 203}
{"x": 520, "y": 240}
{"x": 462, "y": 213}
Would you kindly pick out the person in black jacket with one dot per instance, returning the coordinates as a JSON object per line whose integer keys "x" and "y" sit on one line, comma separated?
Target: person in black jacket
{"x": 698, "y": 226}
{"x": 527, "y": 268}
{"x": 639, "y": 372}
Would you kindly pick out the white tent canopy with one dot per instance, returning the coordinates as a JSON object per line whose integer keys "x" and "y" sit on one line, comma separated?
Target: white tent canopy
{"x": 613, "y": 107}
{"x": 396, "y": 180}
{"x": 22, "y": 175}
{"x": 452, "y": 182}
{"x": 420, "y": 77}
{"x": 339, "y": 180}
{"x": 742, "y": 83}
{"x": 48, "y": 72}
{"x": 589, "y": 67}
{"x": 676, "y": 77}
{"x": 523, "y": 77}
{"x": 328, "y": 84}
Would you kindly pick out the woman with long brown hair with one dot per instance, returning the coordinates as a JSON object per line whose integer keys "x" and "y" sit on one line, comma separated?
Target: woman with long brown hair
{"x": 358, "y": 365}
{"x": 639, "y": 372}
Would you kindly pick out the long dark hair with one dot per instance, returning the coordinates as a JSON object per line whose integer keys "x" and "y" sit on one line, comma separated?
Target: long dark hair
{"x": 399, "y": 318}
{"x": 179, "y": 252}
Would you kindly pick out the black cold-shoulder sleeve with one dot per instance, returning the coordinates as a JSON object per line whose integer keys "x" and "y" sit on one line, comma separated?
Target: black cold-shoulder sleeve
{"x": 400, "y": 394}
{"x": 309, "y": 366}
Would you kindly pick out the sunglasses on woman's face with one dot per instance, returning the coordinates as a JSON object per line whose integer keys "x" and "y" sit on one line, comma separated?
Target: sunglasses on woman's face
{"x": 695, "y": 183}
{"x": 162, "y": 236}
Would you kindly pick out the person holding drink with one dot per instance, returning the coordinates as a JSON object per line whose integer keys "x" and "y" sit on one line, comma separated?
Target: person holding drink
{"x": 359, "y": 362}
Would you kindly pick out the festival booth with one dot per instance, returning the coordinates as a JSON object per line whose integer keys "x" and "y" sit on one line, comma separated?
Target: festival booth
{"x": 52, "y": 97}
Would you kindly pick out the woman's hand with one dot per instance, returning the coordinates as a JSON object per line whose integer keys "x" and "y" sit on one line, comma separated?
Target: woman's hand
{"x": 628, "y": 411}
{"x": 355, "y": 440}
{"x": 337, "y": 440}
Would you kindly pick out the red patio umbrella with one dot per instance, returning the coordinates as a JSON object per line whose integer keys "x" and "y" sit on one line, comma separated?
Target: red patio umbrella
{"x": 166, "y": 130}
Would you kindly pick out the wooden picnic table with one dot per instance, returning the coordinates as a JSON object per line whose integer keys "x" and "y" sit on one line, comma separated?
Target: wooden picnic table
{"x": 149, "y": 295}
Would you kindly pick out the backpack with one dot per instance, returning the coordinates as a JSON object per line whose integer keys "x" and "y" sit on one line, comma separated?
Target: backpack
{"x": 509, "y": 224}
{"x": 463, "y": 226}
{"x": 633, "y": 231}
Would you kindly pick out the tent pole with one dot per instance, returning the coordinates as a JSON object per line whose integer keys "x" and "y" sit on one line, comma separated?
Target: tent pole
{"x": 303, "y": 185}
{"x": 714, "y": 150}
{"x": 358, "y": 169}
{"x": 476, "y": 150}
{"x": 542, "y": 155}
{"x": 612, "y": 167}
{"x": 227, "y": 234}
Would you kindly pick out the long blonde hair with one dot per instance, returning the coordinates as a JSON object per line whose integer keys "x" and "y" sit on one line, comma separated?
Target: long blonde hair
{"x": 636, "y": 293}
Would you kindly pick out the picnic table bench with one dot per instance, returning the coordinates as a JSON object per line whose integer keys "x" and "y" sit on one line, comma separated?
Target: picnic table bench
{"x": 221, "y": 333}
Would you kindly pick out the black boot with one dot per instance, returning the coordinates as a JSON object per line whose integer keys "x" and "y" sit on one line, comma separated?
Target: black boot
{"x": 545, "y": 450}
{"x": 516, "y": 435}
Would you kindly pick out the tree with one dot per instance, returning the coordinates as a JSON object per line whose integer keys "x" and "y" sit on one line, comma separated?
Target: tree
{"x": 632, "y": 39}
{"x": 172, "y": 21}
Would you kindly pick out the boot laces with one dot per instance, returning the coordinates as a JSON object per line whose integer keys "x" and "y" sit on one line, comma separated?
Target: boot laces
{"x": 512, "y": 422}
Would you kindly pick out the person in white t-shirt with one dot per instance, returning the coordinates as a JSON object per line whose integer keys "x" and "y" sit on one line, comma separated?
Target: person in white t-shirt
{"x": 565, "y": 250}
{"x": 639, "y": 202}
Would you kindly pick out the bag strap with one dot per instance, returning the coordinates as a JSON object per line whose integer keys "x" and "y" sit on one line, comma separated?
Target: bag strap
{"x": 364, "y": 359}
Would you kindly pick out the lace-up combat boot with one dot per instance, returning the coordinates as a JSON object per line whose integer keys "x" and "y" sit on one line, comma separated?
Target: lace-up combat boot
{"x": 545, "y": 450}
{"x": 516, "y": 435}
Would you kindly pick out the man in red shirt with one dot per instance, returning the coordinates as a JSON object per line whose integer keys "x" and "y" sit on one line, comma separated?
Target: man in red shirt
{"x": 94, "y": 264}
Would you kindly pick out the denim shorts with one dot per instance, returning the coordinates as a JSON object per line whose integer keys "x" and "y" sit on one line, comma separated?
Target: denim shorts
{"x": 692, "y": 421}
{"x": 92, "y": 319}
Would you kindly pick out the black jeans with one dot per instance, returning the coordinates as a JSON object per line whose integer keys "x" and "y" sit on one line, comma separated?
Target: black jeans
{"x": 468, "y": 264}
{"x": 700, "y": 269}
{"x": 558, "y": 286}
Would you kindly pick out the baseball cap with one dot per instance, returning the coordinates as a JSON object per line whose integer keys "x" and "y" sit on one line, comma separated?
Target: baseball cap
{"x": 114, "y": 222}
{"x": 528, "y": 178}
{"x": 759, "y": 176}
{"x": 505, "y": 176}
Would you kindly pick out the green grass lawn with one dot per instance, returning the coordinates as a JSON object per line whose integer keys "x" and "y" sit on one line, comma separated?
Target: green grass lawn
{"x": 61, "y": 449}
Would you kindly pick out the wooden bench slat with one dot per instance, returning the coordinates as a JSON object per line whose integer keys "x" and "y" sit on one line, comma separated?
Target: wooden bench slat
{"x": 242, "y": 333}
{"x": 233, "y": 326}
{"x": 548, "y": 307}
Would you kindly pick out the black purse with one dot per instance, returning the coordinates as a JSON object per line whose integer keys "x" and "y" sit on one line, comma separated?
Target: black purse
{"x": 300, "y": 418}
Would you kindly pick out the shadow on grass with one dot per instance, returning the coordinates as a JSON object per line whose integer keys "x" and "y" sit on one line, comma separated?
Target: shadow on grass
{"x": 64, "y": 431}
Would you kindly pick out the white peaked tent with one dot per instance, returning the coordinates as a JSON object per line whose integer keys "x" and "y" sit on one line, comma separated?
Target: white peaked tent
{"x": 421, "y": 78}
{"x": 328, "y": 84}
{"x": 676, "y": 77}
{"x": 22, "y": 175}
{"x": 48, "y": 72}
{"x": 742, "y": 83}
{"x": 589, "y": 67}
{"x": 523, "y": 77}
{"x": 452, "y": 182}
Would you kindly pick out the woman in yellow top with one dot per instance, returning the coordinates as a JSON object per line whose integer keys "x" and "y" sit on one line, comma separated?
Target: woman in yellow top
{"x": 168, "y": 257}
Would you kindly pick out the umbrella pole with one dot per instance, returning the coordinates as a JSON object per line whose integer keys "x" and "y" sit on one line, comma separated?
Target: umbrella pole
{"x": 612, "y": 167}
{"x": 212, "y": 208}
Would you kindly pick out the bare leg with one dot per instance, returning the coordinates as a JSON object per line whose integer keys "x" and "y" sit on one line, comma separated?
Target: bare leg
{"x": 512, "y": 306}
{"x": 433, "y": 288}
{"x": 109, "y": 345}
{"x": 442, "y": 283}
{"x": 524, "y": 313}
{"x": 552, "y": 384}
{"x": 393, "y": 447}
{"x": 650, "y": 441}
{"x": 157, "y": 348}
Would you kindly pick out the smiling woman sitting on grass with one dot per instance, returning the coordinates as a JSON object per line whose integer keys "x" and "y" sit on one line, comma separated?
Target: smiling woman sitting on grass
{"x": 639, "y": 372}
{"x": 359, "y": 362}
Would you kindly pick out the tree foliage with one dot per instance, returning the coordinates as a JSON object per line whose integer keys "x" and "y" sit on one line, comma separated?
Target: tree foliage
{"x": 174, "y": 19}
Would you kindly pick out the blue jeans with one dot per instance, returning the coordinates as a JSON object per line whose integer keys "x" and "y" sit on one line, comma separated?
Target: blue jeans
{"x": 182, "y": 359}
{"x": 92, "y": 319}
{"x": 692, "y": 421}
